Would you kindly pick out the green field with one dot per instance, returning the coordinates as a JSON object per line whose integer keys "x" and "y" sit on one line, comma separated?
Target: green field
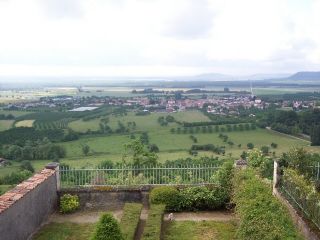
{"x": 189, "y": 230}
{"x": 144, "y": 123}
{"x": 5, "y": 124}
{"x": 24, "y": 123}
{"x": 172, "y": 146}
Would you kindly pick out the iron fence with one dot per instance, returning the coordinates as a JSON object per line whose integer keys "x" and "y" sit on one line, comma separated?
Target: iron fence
{"x": 315, "y": 171}
{"x": 137, "y": 175}
{"x": 307, "y": 204}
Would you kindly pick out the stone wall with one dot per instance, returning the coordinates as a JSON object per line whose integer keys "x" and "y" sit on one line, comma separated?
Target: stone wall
{"x": 108, "y": 199}
{"x": 24, "y": 208}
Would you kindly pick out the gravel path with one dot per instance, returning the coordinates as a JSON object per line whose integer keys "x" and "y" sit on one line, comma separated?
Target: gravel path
{"x": 85, "y": 216}
{"x": 221, "y": 216}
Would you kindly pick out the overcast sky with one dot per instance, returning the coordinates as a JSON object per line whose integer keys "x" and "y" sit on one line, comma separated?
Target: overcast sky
{"x": 158, "y": 37}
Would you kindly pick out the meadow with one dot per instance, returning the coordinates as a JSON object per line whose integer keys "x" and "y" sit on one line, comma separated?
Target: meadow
{"x": 171, "y": 146}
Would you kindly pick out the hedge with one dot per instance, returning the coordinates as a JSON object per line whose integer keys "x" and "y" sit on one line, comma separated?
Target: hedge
{"x": 130, "y": 220}
{"x": 197, "y": 198}
{"x": 152, "y": 230}
{"x": 261, "y": 215}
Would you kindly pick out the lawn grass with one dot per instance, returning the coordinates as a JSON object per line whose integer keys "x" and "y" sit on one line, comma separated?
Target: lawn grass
{"x": 152, "y": 229}
{"x": 130, "y": 220}
{"x": 65, "y": 231}
{"x": 5, "y": 124}
{"x": 190, "y": 230}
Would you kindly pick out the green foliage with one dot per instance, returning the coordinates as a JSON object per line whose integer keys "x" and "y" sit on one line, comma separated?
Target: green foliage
{"x": 40, "y": 149}
{"x": 152, "y": 230}
{"x": 261, "y": 215}
{"x": 107, "y": 228}
{"x": 106, "y": 164}
{"x": 170, "y": 196}
{"x": 137, "y": 155}
{"x": 69, "y": 203}
{"x": 301, "y": 160}
{"x": 304, "y": 192}
{"x": 197, "y": 198}
{"x": 315, "y": 135}
{"x": 262, "y": 163}
{"x": 85, "y": 149}
{"x": 250, "y": 145}
{"x": 20, "y": 135}
{"x": 15, "y": 177}
{"x": 26, "y": 165}
{"x": 130, "y": 220}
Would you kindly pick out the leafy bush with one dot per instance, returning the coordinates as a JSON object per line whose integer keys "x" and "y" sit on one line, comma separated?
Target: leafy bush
{"x": 26, "y": 165}
{"x": 69, "y": 203}
{"x": 15, "y": 177}
{"x": 107, "y": 228}
{"x": 201, "y": 198}
{"x": 261, "y": 215}
{"x": 130, "y": 220}
{"x": 197, "y": 198}
{"x": 152, "y": 230}
{"x": 167, "y": 195}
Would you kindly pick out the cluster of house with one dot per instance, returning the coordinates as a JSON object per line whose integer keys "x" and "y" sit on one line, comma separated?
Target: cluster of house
{"x": 214, "y": 104}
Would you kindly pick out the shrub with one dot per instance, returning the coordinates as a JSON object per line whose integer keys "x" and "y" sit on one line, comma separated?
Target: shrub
{"x": 261, "y": 215}
{"x": 15, "y": 177}
{"x": 167, "y": 195}
{"x": 201, "y": 198}
{"x": 250, "y": 146}
{"x": 152, "y": 230}
{"x": 26, "y": 165}
{"x": 69, "y": 203}
{"x": 130, "y": 220}
{"x": 107, "y": 228}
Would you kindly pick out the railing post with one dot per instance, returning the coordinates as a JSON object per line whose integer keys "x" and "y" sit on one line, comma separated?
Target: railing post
{"x": 318, "y": 171}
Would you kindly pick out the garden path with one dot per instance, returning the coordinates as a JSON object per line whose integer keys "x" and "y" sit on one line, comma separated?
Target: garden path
{"x": 84, "y": 216}
{"x": 220, "y": 216}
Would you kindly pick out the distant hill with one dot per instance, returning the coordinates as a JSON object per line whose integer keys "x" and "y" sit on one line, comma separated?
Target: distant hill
{"x": 305, "y": 76}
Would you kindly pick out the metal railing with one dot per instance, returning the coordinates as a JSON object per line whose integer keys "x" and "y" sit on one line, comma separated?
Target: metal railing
{"x": 137, "y": 175}
{"x": 307, "y": 204}
{"x": 315, "y": 171}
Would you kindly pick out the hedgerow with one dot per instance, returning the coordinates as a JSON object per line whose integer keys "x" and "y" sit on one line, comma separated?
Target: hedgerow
{"x": 152, "y": 230}
{"x": 261, "y": 215}
{"x": 130, "y": 220}
{"x": 197, "y": 198}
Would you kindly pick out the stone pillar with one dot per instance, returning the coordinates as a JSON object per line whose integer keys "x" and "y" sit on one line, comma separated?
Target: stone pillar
{"x": 55, "y": 166}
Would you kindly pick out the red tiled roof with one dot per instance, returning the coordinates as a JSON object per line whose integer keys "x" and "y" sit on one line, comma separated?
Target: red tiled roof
{"x": 13, "y": 195}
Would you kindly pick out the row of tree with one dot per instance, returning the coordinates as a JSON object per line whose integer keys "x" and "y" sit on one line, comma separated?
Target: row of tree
{"x": 216, "y": 128}
{"x": 40, "y": 149}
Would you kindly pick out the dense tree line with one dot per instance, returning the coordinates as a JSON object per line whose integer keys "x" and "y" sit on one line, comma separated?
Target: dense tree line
{"x": 291, "y": 122}
{"x": 207, "y": 147}
{"x": 40, "y": 149}
{"x": 215, "y": 128}
{"x": 18, "y": 136}
{"x": 6, "y": 117}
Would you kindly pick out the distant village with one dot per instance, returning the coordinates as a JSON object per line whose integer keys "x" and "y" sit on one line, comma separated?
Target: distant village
{"x": 223, "y": 104}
